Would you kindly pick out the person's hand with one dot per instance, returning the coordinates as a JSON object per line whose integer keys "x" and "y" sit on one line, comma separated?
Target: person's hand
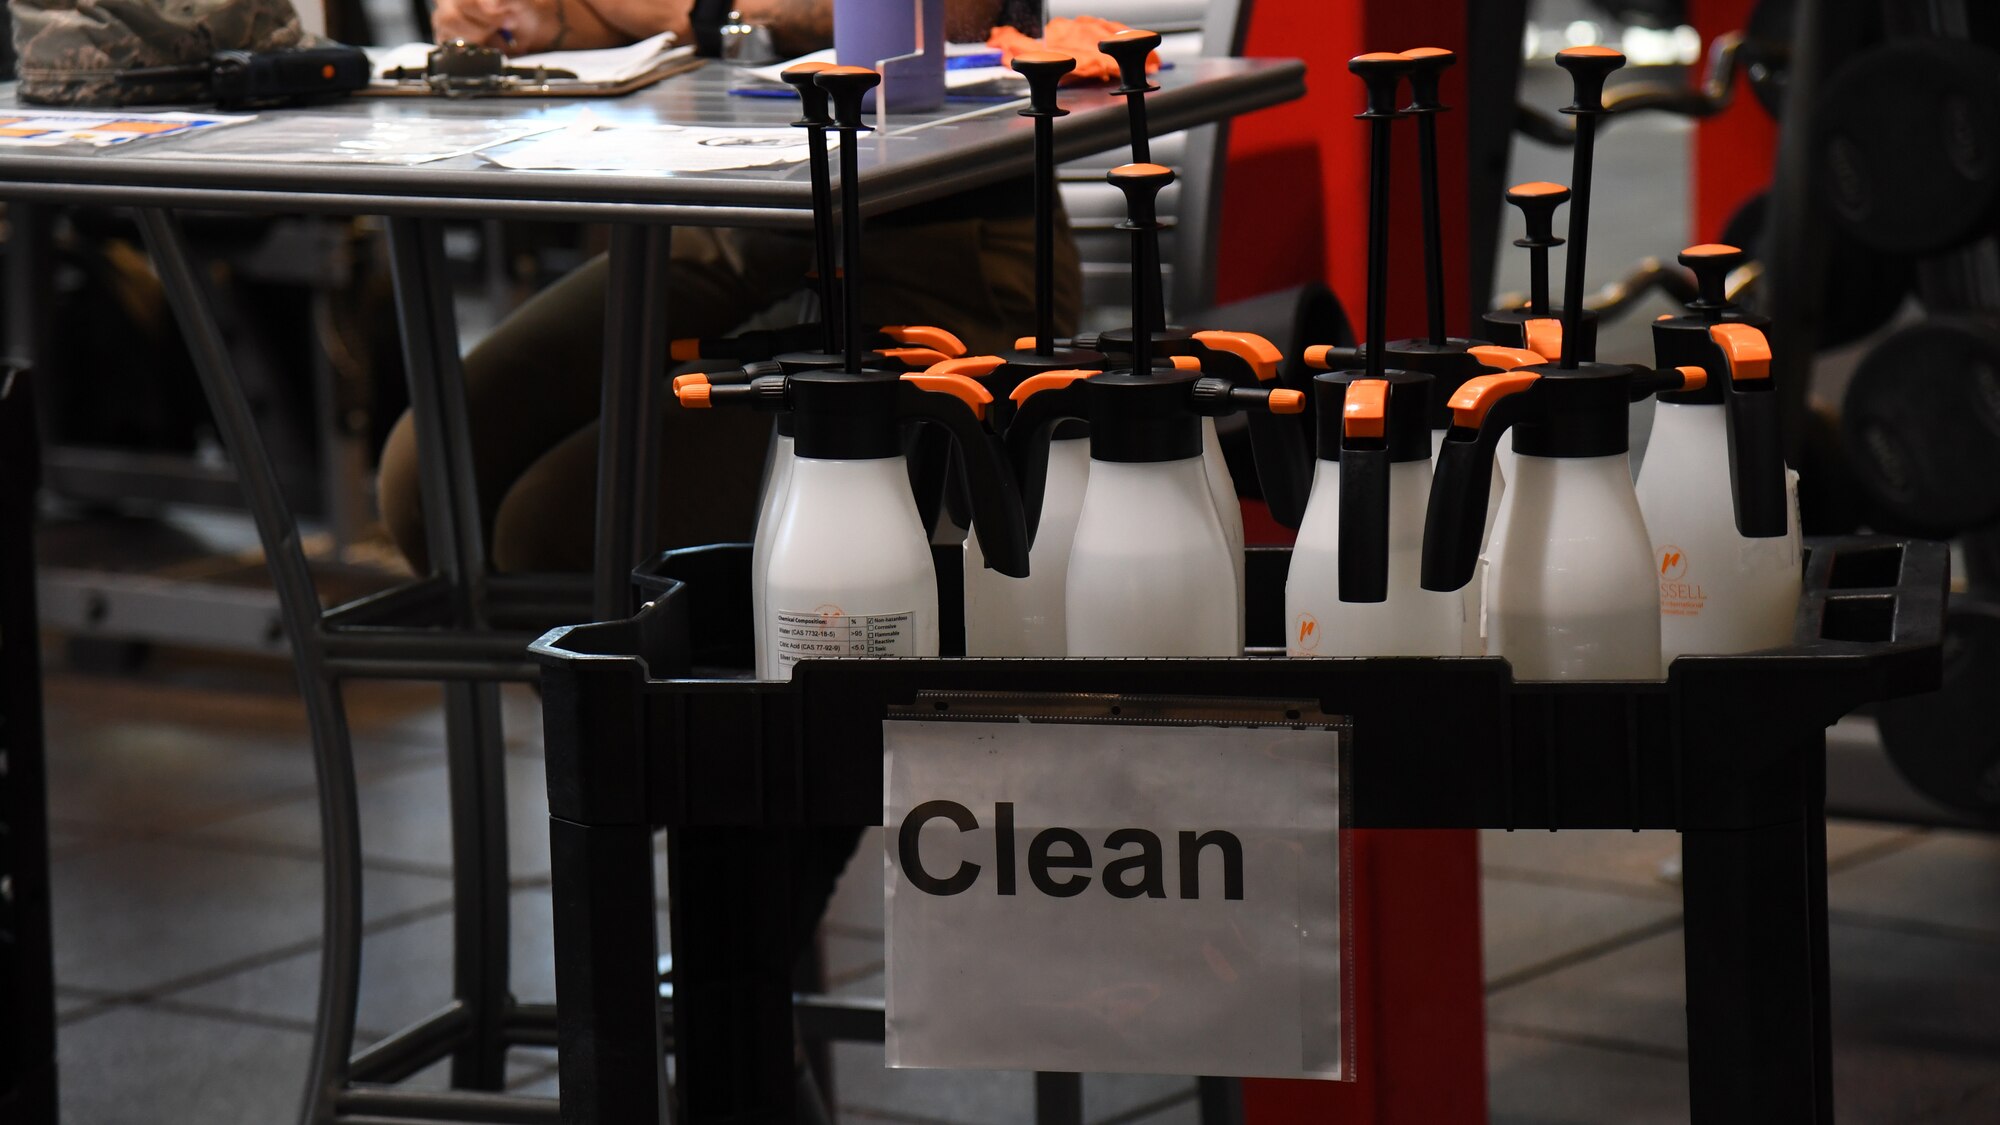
{"x": 517, "y": 27}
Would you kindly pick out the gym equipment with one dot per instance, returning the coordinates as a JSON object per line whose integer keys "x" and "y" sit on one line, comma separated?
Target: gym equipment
{"x": 1921, "y": 425}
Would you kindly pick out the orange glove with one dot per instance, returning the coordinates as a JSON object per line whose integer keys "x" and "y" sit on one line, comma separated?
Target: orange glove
{"x": 1078, "y": 37}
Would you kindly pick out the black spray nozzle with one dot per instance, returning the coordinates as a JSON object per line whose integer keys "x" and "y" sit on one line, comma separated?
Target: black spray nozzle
{"x": 1130, "y": 49}
{"x": 813, "y": 111}
{"x": 1044, "y": 71}
{"x": 1427, "y": 67}
{"x": 1383, "y": 72}
{"x": 1588, "y": 68}
{"x": 1712, "y": 263}
{"x": 1538, "y": 202}
{"x": 845, "y": 87}
{"x": 1364, "y": 491}
{"x": 1142, "y": 184}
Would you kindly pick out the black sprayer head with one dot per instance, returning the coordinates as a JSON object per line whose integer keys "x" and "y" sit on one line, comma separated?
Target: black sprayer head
{"x": 1382, "y": 72}
{"x": 1538, "y": 203}
{"x": 1130, "y": 49}
{"x": 845, "y": 86}
{"x": 1712, "y": 263}
{"x": 1044, "y": 71}
{"x": 1588, "y": 68}
{"x": 1427, "y": 67}
{"x": 1142, "y": 184}
{"x": 812, "y": 99}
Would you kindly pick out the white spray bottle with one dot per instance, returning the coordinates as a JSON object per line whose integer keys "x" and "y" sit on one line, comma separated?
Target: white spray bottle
{"x": 1717, "y": 498}
{"x": 1352, "y": 589}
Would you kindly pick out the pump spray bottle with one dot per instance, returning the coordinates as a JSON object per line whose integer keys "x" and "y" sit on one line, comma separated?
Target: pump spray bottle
{"x": 1024, "y": 616}
{"x": 1571, "y": 593}
{"x": 849, "y": 570}
{"x": 1150, "y": 572}
{"x": 1729, "y": 574}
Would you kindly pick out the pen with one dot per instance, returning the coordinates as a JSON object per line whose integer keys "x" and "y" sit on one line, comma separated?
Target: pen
{"x": 507, "y": 38}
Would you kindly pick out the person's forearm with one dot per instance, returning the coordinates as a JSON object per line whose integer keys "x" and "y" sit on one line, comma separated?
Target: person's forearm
{"x": 627, "y": 21}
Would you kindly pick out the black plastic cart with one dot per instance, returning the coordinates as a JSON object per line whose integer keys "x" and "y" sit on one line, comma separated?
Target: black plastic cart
{"x": 648, "y": 729}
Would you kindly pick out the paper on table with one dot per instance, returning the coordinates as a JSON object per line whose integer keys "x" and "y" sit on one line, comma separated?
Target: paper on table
{"x": 582, "y": 146}
{"x": 610, "y": 65}
{"x": 955, "y": 77}
{"x": 306, "y": 139}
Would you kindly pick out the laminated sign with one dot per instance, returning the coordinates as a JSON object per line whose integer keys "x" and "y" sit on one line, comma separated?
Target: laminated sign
{"x": 1068, "y": 896}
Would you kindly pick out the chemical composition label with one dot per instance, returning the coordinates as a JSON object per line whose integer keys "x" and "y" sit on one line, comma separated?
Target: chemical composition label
{"x": 826, "y": 632}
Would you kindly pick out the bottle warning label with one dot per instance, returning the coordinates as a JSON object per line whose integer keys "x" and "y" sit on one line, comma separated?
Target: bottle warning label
{"x": 813, "y": 634}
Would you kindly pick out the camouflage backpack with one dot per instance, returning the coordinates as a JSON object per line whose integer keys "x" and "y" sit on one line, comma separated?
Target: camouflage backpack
{"x": 71, "y": 51}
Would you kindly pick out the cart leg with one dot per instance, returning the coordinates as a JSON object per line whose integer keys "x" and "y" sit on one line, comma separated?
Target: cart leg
{"x": 609, "y": 1047}
{"x": 635, "y": 360}
{"x": 473, "y": 744}
{"x": 731, "y": 912}
{"x": 1058, "y": 1098}
{"x": 1822, "y": 956}
{"x": 1751, "y": 976}
{"x": 1221, "y": 1101}
{"x": 298, "y": 605}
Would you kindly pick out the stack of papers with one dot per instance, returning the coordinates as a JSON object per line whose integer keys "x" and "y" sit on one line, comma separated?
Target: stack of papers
{"x": 610, "y": 66}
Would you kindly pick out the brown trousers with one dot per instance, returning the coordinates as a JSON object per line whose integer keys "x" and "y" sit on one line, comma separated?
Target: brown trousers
{"x": 532, "y": 385}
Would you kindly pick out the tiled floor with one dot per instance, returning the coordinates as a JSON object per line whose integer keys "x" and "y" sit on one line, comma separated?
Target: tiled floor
{"x": 187, "y": 918}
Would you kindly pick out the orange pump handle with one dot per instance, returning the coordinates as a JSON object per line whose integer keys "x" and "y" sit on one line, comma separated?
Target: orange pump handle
{"x": 1748, "y": 352}
{"x": 1025, "y": 343}
{"x": 690, "y": 378}
{"x": 1365, "y": 411}
{"x": 1261, "y": 354}
{"x": 693, "y": 396}
{"x": 1506, "y": 359}
{"x": 684, "y": 349}
{"x": 959, "y": 386}
{"x": 1319, "y": 357}
{"x": 1470, "y": 402}
{"x": 914, "y": 357}
{"x": 1047, "y": 380}
{"x": 1185, "y": 362}
{"x": 971, "y": 365}
{"x": 1536, "y": 189}
{"x": 1545, "y": 337}
{"x": 926, "y": 336}
{"x": 1283, "y": 401}
{"x": 1693, "y": 378}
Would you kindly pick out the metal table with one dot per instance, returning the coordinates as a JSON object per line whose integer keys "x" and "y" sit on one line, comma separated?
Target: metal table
{"x": 460, "y": 624}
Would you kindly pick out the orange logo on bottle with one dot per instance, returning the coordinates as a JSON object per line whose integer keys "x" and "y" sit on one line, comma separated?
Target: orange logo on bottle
{"x": 1680, "y": 596}
{"x": 1673, "y": 563}
{"x": 1308, "y": 633}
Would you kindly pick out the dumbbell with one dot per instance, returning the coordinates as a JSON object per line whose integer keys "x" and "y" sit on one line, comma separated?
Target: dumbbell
{"x": 1906, "y": 144}
{"x": 1920, "y": 424}
{"x": 1943, "y": 743}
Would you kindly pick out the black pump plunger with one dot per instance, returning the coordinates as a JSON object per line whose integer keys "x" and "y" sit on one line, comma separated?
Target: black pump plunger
{"x": 1427, "y": 67}
{"x": 1043, "y": 70}
{"x": 1712, "y": 263}
{"x": 815, "y": 120}
{"x": 1142, "y": 184}
{"x": 845, "y": 86}
{"x": 1382, "y": 72}
{"x": 1130, "y": 49}
{"x": 1588, "y": 68}
{"x": 1538, "y": 202}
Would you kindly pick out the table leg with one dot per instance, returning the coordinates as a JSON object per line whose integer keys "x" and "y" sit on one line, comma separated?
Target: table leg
{"x": 299, "y": 607}
{"x": 473, "y": 744}
{"x": 635, "y": 359}
{"x": 1751, "y": 975}
{"x": 1058, "y": 1098}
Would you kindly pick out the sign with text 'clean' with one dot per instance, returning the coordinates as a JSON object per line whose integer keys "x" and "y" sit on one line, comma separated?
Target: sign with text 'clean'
{"x": 1082, "y": 897}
